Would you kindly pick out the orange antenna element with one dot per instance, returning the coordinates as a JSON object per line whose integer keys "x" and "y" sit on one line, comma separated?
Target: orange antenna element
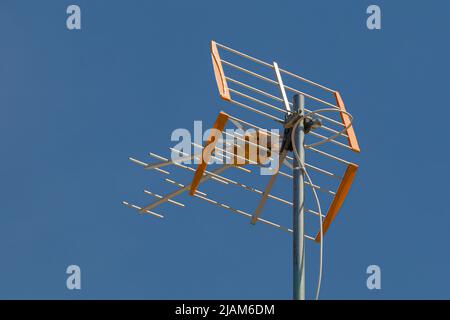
{"x": 210, "y": 145}
{"x": 352, "y": 141}
{"x": 339, "y": 198}
{"x": 218, "y": 72}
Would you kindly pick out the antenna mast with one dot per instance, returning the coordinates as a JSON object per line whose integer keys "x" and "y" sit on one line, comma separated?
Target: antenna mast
{"x": 298, "y": 243}
{"x": 305, "y": 127}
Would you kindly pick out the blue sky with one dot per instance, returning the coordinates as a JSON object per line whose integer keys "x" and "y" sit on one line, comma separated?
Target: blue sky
{"x": 75, "y": 104}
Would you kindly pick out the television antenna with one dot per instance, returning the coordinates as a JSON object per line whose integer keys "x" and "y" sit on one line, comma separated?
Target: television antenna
{"x": 309, "y": 120}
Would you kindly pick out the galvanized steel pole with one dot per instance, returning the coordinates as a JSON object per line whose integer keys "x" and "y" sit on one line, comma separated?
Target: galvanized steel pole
{"x": 298, "y": 212}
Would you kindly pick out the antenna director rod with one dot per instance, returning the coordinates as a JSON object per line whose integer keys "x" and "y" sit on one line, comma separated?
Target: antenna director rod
{"x": 183, "y": 189}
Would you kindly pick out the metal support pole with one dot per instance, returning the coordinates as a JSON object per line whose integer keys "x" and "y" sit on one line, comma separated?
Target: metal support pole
{"x": 298, "y": 212}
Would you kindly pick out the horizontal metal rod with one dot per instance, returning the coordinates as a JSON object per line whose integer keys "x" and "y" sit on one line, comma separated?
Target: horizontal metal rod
{"x": 201, "y": 147}
{"x": 160, "y": 197}
{"x": 240, "y": 138}
{"x": 321, "y": 116}
{"x": 328, "y": 173}
{"x": 259, "y": 128}
{"x": 282, "y": 173}
{"x": 261, "y": 92}
{"x": 271, "y": 158}
{"x": 271, "y": 66}
{"x": 145, "y": 165}
{"x": 323, "y": 127}
{"x": 228, "y": 152}
{"x": 196, "y": 156}
{"x": 320, "y": 170}
{"x": 224, "y": 180}
{"x": 306, "y": 80}
{"x": 169, "y": 162}
{"x": 162, "y": 171}
{"x": 276, "y": 83}
{"x": 181, "y": 190}
{"x": 246, "y": 214}
{"x": 253, "y": 189}
{"x": 308, "y": 184}
{"x": 257, "y": 100}
{"x": 249, "y": 188}
{"x": 245, "y": 55}
{"x": 268, "y": 115}
{"x": 290, "y": 158}
{"x": 323, "y": 153}
{"x": 249, "y": 72}
{"x": 133, "y": 206}
{"x": 252, "y": 125}
{"x": 279, "y": 99}
{"x": 241, "y": 212}
{"x": 186, "y": 167}
{"x": 235, "y": 167}
{"x": 139, "y": 162}
{"x": 314, "y": 212}
{"x": 338, "y": 143}
{"x": 311, "y": 97}
{"x": 182, "y": 185}
{"x": 270, "y": 196}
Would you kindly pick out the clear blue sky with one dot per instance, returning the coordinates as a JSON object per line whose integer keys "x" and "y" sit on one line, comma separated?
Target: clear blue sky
{"x": 75, "y": 105}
